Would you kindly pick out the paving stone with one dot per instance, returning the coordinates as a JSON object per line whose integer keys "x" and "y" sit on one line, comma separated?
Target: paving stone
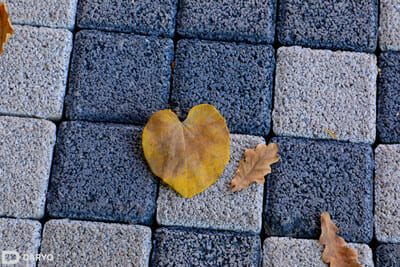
{"x": 388, "y": 121}
{"x": 387, "y": 193}
{"x": 149, "y": 17}
{"x": 99, "y": 173}
{"x": 389, "y": 25}
{"x": 50, "y": 13}
{"x": 332, "y": 24}
{"x": 236, "y": 78}
{"x": 26, "y": 149}
{"x": 316, "y": 176}
{"x": 183, "y": 247}
{"x": 317, "y": 91}
{"x": 251, "y": 21}
{"x": 286, "y": 251}
{"x": 217, "y": 207}
{"x": 118, "y": 77}
{"x": 33, "y": 72}
{"x": 388, "y": 255}
{"x": 80, "y": 243}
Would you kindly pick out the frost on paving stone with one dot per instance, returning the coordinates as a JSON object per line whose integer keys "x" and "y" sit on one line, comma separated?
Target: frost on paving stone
{"x": 389, "y": 25}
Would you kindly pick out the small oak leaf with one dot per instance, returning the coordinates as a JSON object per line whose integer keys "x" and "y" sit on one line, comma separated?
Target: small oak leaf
{"x": 255, "y": 166}
{"x": 5, "y": 26}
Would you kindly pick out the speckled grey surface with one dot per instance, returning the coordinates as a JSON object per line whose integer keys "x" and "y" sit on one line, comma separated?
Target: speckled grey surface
{"x": 387, "y": 193}
{"x": 33, "y": 72}
{"x": 389, "y": 25}
{"x": 285, "y": 251}
{"x": 26, "y": 149}
{"x": 321, "y": 90}
{"x": 79, "y": 243}
{"x": 388, "y": 255}
{"x": 217, "y": 207}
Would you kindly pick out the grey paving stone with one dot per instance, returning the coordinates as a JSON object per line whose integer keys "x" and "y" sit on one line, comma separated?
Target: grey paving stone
{"x": 26, "y": 149}
{"x": 118, "y": 77}
{"x": 388, "y": 255}
{"x": 321, "y": 90}
{"x": 387, "y": 193}
{"x": 99, "y": 173}
{"x": 252, "y": 21}
{"x": 285, "y": 251}
{"x": 184, "y": 247}
{"x": 217, "y": 207}
{"x": 389, "y": 25}
{"x": 80, "y": 243}
{"x": 33, "y": 72}
{"x": 49, "y": 13}
{"x": 236, "y": 78}
{"x": 149, "y": 17}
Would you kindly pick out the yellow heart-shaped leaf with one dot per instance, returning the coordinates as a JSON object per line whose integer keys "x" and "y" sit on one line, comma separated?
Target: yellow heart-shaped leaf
{"x": 191, "y": 155}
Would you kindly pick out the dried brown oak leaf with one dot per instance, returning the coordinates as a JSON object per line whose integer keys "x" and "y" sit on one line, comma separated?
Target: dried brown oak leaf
{"x": 257, "y": 163}
{"x": 336, "y": 253}
{"x": 5, "y": 26}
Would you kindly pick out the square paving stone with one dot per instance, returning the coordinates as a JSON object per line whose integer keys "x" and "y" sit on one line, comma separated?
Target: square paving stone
{"x": 388, "y": 122}
{"x": 79, "y": 243}
{"x": 389, "y": 25}
{"x": 184, "y": 247}
{"x": 33, "y": 72}
{"x": 251, "y": 21}
{"x": 285, "y": 251}
{"x": 99, "y": 173}
{"x": 236, "y": 78}
{"x": 316, "y": 176}
{"x": 26, "y": 149}
{"x": 118, "y": 77}
{"x": 387, "y": 193}
{"x": 217, "y": 207}
{"x": 388, "y": 255}
{"x": 320, "y": 91}
{"x": 149, "y": 17}
{"x": 332, "y": 24}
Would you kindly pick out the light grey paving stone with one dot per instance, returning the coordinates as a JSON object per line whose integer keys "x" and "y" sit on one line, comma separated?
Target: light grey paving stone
{"x": 321, "y": 90}
{"x": 217, "y": 207}
{"x": 286, "y": 251}
{"x": 26, "y": 149}
{"x": 387, "y": 193}
{"x": 49, "y": 13}
{"x": 389, "y": 25}
{"x": 21, "y": 238}
{"x": 33, "y": 72}
{"x": 81, "y": 243}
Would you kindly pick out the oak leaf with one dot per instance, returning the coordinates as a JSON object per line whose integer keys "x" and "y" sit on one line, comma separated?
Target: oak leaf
{"x": 5, "y": 26}
{"x": 190, "y": 155}
{"x": 336, "y": 253}
{"x": 255, "y": 166}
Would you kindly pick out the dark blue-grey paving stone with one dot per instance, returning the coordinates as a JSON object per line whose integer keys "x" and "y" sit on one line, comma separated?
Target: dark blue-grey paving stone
{"x": 388, "y": 121}
{"x": 316, "y": 176}
{"x": 184, "y": 247}
{"x": 149, "y": 17}
{"x": 118, "y": 77}
{"x": 236, "y": 78}
{"x": 388, "y": 255}
{"x": 252, "y": 21}
{"x": 99, "y": 173}
{"x": 332, "y": 24}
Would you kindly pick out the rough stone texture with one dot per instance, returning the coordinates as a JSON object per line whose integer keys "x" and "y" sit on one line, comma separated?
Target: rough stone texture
{"x": 33, "y": 72}
{"x": 332, "y": 24}
{"x": 149, "y": 17}
{"x": 26, "y": 149}
{"x": 99, "y": 173}
{"x": 183, "y": 247}
{"x": 236, "y": 78}
{"x": 252, "y": 21}
{"x": 78, "y": 243}
{"x": 389, "y": 25}
{"x": 388, "y": 122}
{"x": 49, "y": 13}
{"x": 387, "y": 193}
{"x": 118, "y": 77}
{"x": 321, "y": 90}
{"x": 217, "y": 207}
{"x": 388, "y": 255}
{"x": 316, "y": 176}
{"x": 285, "y": 251}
